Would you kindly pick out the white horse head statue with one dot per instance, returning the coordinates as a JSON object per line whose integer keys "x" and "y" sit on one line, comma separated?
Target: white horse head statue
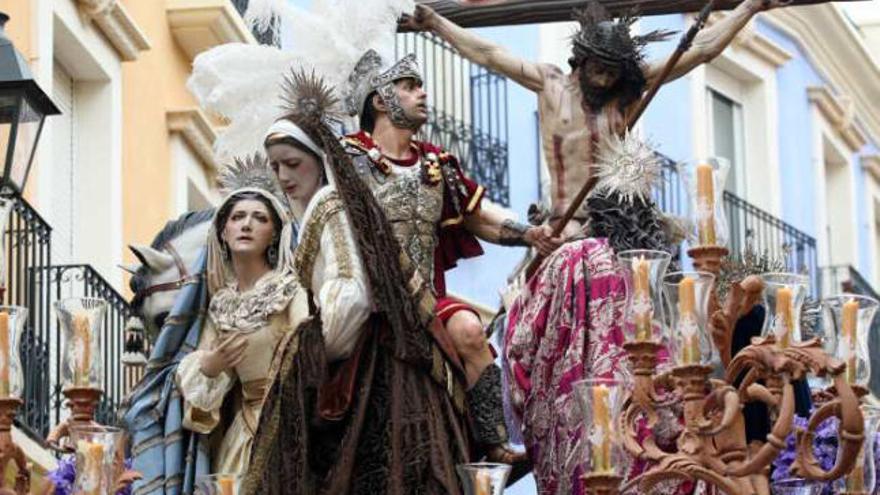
{"x": 166, "y": 266}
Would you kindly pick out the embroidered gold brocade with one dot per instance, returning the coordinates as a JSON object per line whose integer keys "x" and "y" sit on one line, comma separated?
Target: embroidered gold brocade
{"x": 310, "y": 242}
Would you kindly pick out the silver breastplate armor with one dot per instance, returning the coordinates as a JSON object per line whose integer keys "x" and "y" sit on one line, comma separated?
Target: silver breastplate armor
{"x": 412, "y": 207}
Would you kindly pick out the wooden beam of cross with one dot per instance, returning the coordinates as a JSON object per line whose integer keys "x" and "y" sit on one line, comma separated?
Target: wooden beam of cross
{"x": 480, "y": 13}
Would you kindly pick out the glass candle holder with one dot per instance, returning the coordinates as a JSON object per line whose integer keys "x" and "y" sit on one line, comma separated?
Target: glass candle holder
{"x": 863, "y": 477}
{"x": 218, "y": 484}
{"x": 687, "y": 298}
{"x": 846, "y": 321}
{"x": 483, "y": 478}
{"x": 601, "y": 403}
{"x": 784, "y": 295}
{"x": 12, "y": 320}
{"x": 81, "y": 319}
{"x": 704, "y": 182}
{"x": 97, "y": 448}
{"x": 643, "y": 274}
{"x": 795, "y": 486}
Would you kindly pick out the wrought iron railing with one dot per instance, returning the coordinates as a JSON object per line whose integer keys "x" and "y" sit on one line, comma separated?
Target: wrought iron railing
{"x": 671, "y": 196}
{"x": 28, "y": 244}
{"x": 748, "y": 225}
{"x": 60, "y": 282}
{"x": 836, "y": 279}
{"x": 270, "y": 36}
{"x": 27, "y": 241}
{"x": 468, "y": 111}
{"x": 33, "y": 282}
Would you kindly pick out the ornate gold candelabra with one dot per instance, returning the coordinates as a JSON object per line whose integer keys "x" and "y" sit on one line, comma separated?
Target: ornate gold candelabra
{"x": 713, "y": 447}
{"x": 9, "y": 451}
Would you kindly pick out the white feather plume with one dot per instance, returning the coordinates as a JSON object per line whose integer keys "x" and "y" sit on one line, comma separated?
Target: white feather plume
{"x": 261, "y": 13}
{"x": 242, "y": 83}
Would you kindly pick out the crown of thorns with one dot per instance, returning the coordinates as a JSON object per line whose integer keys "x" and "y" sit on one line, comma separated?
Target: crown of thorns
{"x": 599, "y": 36}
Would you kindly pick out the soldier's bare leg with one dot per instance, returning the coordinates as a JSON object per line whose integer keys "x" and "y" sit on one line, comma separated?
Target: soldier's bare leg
{"x": 467, "y": 334}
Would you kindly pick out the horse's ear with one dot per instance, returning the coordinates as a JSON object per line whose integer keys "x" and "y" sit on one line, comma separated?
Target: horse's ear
{"x": 131, "y": 268}
{"x": 155, "y": 260}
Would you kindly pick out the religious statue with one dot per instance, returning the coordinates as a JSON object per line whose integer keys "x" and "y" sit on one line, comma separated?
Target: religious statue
{"x": 565, "y": 325}
{"x": 434, "y": 211}
{"x": 365, "y": 408}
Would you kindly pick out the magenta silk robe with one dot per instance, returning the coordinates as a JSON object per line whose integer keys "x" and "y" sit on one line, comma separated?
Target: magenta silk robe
{"x": 565, "y": 325}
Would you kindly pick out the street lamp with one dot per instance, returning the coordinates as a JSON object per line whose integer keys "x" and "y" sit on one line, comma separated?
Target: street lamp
{"x": 23, "y": 109}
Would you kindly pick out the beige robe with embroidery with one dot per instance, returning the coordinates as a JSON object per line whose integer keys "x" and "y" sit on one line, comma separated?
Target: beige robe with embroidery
{"x": 327, "y": 256}
{"x": 203, "y": 396}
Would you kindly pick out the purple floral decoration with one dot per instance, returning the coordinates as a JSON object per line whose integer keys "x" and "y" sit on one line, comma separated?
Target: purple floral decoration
{"x": 824, "y": 448}
{"x": 64, "y": 475}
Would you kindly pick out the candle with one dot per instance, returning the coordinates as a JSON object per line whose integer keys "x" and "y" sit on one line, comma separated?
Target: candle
{"x": 784, "y": 317}
{"x": 4, "y": 354}
{"x": 92, "y": 454}
{"x": 483, "y": 484}
{"x": 642, "y": 298}
{"x": 81, "y": 349}
{"x": 690, "y": 344}
{"x": 601, "y": 449}
{"x": 706, "y": 204}
{"x": 848, "y": 329}
{"x": 227, "y": 485}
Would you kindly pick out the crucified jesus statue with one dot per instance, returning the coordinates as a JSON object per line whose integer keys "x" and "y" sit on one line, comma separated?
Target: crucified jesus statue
{"x": 607, "y": 78}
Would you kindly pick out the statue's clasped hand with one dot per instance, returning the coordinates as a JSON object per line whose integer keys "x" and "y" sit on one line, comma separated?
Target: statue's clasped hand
{"x": 228, "y": 353}
{"x": 541, "y": 238}
{"x": 420, "y": 20}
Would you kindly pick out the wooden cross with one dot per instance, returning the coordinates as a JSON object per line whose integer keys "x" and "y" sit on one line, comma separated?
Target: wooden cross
{"x": 479, "y": 13}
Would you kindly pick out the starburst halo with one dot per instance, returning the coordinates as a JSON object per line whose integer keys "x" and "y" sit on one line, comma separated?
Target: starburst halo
{"x": 626, "y": 166}
{"x": 250, "y": 171}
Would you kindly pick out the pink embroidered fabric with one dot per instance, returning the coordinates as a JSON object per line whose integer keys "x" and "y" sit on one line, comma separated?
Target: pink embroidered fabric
{"x": 565, "y": 326}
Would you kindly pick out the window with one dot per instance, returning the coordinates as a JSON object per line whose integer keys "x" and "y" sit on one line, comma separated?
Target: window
{"x": 193, "y": 184}
{"x": 840, "y": 243}
{"x": 195, "y": 198}
{"x": 62, "y": 209}
{"x": 726, "y": 138}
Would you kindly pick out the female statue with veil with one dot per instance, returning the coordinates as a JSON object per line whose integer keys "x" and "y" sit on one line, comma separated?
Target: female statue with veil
{"x": 378, "y": 417}
{"x": 255, "y": 299}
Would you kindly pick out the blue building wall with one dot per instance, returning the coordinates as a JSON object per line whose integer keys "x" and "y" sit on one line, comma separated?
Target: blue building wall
{"x": 865, "y": 231}
{"x": 480, "y": 279}
{"x": 797, "y": 163}
{"x": 668, "y": 122}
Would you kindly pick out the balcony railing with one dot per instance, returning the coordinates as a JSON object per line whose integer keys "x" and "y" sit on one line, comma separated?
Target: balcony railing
{"x": 468, "y": 111}
{"x": 34, "y": 283}
{"x": 63, "y": 281}
{"x": 845, "y": 278}
{"x": 748, "y": 225}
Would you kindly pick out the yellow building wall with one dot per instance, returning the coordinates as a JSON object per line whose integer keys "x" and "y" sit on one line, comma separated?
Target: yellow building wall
{"x": 19, "y": 28}
{"x": 153, "y": 84}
